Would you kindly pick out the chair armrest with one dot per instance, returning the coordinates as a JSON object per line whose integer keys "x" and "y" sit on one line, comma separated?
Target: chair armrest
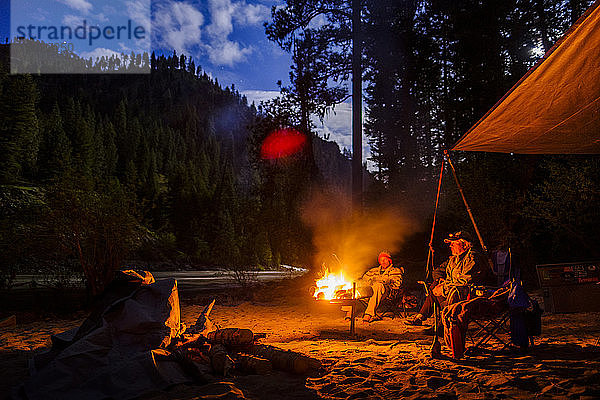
{"x": 482, "y": 290}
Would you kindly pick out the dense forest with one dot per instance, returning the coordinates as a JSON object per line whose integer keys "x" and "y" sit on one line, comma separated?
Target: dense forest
{"x": 99, "y": 169}
{"x": 431, "y": 70}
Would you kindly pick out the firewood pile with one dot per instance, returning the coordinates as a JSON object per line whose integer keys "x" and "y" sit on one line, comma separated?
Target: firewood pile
{"x": 227, "y": 351}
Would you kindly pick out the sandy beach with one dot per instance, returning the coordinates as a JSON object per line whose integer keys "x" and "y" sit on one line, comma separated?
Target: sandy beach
{"x": 384, "y": 360}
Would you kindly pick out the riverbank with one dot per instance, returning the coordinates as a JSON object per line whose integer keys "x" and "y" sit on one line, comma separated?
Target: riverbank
{"x": 385, "y": 360}
{"x": 33, "y": 297}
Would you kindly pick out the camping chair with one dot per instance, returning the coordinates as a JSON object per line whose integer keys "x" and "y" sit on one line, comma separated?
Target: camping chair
{"x": 392, "y": 304}
{"x": 493, "y": 330}
{"x": 488, "y": 314}
{"x": 397, "y": 304}
{"x": 503, "y": 266}
{"x": 512, "y": 317}
{"x": 490, "y": 328}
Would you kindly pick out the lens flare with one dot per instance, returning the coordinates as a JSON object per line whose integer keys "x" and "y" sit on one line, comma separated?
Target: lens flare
{"x": 282, "y": 143}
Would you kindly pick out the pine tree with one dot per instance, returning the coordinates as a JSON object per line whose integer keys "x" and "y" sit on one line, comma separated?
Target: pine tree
{"x": 130, "y": 178}
{"x": 264, "y": 255}
{"x": 225, "y": 249}
{"x": 19, "y": 129}
{"x": 55, "y": 151}
{"x": 79, "y": 126}
{"x": 99, "y": 166}
{"x": 121, "y": 130}
{"x": 110, "y": 147}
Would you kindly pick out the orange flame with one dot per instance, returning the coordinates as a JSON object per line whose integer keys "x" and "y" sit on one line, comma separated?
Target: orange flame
{"x": 332, "y": 285}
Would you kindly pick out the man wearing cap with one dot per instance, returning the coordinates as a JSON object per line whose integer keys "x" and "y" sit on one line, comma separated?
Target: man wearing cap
{"x": 463, "y": 268}
{"x": 378, "y": 282}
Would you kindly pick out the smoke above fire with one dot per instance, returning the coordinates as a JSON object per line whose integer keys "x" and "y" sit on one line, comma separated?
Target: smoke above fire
{"x": 349, "y": 241}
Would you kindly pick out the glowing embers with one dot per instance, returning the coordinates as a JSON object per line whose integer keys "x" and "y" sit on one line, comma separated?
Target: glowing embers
{"x": 282, "y": 143}
{"x": 333, "y": 286}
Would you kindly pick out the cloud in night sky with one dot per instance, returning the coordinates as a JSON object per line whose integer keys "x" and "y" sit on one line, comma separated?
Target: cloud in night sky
{"x": 177, "y": 25}
{"x": 82, "y": 6}
{"x": 181, "y": 25}
{"x": 100, "y": 52}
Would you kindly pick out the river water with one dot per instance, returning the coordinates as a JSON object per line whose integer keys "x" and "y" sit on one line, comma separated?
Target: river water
{"x": 205, "y": 280}
{"x": 186, "y": 280}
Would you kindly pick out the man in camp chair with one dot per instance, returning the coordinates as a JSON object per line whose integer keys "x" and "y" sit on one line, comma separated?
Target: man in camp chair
{"x": 454, "y": 278}
{"x": 379, "y": 283}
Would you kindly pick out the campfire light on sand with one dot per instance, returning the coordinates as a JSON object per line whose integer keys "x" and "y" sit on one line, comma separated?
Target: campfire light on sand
{"x": 333, "y": 286}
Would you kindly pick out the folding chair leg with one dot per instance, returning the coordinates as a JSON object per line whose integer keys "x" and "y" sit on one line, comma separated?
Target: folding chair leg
{"x": 489, "y": 330}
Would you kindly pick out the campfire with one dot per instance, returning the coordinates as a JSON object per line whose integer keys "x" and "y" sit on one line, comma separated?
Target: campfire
{"x": 334, "y": 286}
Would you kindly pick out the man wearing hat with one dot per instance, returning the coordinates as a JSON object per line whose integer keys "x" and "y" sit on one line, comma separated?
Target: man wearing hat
{"x": 453, "y": 278}
{"x": 378, "y": 282}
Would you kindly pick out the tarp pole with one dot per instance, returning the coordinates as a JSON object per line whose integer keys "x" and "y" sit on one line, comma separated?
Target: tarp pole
{"x": 436, "y": 347}
{"x": 468, "y": 209}
{"x": 428, "y": 270}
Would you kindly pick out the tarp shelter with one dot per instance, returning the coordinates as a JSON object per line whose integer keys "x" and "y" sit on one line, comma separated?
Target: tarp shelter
{"x": 555, "y": 107}
{"x": 119, "y": 352}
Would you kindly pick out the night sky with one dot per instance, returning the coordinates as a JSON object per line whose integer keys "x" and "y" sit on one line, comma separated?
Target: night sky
{"x": 225, "y": 37}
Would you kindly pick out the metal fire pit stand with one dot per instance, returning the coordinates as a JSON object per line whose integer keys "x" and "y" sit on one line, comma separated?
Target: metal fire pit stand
{"x": 353, "y": 303}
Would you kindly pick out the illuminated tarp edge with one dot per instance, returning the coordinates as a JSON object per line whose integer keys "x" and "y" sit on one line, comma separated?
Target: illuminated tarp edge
{"x": 555, "y": 107}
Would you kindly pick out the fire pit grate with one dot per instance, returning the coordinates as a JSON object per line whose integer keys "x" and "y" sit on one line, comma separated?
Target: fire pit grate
{"x": 353, "y": 302}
